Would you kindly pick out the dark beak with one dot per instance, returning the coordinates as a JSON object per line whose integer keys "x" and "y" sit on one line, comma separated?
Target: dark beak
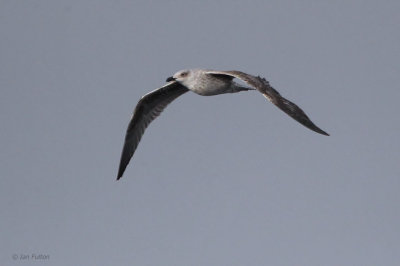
{"x": 170, "y": 79}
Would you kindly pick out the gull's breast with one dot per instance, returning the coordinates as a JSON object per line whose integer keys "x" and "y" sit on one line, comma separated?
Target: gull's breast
{"x": 211, "y": 86}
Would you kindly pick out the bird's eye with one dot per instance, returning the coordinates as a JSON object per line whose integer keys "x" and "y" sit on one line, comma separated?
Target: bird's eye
{"x": 184, "y": 74}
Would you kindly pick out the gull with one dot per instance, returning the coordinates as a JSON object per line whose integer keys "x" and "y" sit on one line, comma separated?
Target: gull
{"x": 205, "y": 83}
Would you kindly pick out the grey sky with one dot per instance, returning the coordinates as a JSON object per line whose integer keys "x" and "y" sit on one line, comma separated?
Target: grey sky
{"x": 223, "y": 180}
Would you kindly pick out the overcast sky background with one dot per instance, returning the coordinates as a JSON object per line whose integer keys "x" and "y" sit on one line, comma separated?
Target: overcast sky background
{"x": 223, "y": 180}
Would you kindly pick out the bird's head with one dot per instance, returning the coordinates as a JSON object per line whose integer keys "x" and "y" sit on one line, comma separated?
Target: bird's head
{"x": 183, "y": 76}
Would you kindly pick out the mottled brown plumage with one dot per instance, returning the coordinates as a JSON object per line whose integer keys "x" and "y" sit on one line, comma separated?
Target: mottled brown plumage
{"x": 206, "y": 83}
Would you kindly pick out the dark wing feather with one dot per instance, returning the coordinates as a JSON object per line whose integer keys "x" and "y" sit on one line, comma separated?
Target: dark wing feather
{"x": 148, "y": 108}
{"x": 263, "y": 86}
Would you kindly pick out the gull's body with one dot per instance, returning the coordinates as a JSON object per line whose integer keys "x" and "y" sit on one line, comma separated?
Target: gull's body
{"x": 205, "y": 83}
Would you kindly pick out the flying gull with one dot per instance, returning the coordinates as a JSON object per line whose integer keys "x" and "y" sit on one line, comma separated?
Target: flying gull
{"x": 206, "y": 83}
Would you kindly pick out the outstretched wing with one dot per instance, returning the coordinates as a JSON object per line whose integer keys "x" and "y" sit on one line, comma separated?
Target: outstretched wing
{"x": 148, "y": 108}
{"x": 263, "y": 86}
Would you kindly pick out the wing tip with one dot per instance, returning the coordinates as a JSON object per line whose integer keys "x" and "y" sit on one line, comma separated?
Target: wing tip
{"x": 120, "y": 173}
{"x": 320, "y": 131}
